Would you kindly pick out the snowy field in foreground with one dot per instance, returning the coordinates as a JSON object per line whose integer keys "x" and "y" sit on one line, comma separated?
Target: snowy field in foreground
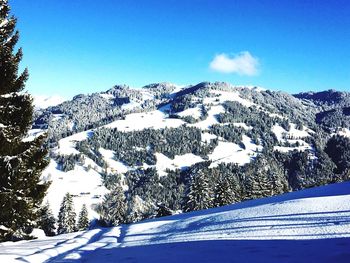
{"x": 306, "y": 226}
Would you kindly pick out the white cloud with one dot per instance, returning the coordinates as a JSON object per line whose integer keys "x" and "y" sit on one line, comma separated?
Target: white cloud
{"x": 243, "y": 64}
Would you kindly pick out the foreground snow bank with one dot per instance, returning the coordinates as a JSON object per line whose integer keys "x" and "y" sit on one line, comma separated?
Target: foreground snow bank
{"x": 306, "y": 226}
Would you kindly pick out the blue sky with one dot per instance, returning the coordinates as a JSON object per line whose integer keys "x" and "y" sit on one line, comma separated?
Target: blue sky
{"x": 84, "y": 46}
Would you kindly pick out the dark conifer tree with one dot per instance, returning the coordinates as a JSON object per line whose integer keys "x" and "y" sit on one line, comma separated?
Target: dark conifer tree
{"x": 163, "y": 210}
{"x": 113, "y": 208}
{"x": 224, "y": 191}
{"x": 83, "y": 221}
{"x": 21, "y": 161}
{"x": 264, "y": 177}
{"x": 338, "y": 149}
{"x": 200, "y": 195}
{"x": 46, "y": 220}
{"x": 67, "y": 216}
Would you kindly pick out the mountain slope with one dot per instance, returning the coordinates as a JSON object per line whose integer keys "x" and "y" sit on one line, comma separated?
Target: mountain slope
{"x": 305, "y": 226}
{"x": 333, "y": 107}
{"x": 43, "y": 102}
{"x": 153, "y": 140}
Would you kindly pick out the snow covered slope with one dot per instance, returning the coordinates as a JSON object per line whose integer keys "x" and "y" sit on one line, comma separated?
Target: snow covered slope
{"x": 174, "y": 130}
{"x": 307, "y": 226}
{"x": 43, "y": 102}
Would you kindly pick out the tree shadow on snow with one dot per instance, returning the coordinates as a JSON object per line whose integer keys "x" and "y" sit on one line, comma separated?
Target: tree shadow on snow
{"x": 320, "y": 250}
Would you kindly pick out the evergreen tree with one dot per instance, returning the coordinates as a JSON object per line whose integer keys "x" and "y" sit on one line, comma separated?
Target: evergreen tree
{"x": 200, "y": 194}
{"x": 113, "y": 208}
{"x": 139, "y": 209}
{"x": 66, "y": 216}
{"x": 163, "y": 210}
{"x": 338, "y": 149}
{"x": 83, "y": 221}
{"x": 21, "y": 161}
{"x": 46, "y": 220}
{"x": 225, "y": 192}
{"x": 264, "y": 177}
{"x": 323, "y": 168}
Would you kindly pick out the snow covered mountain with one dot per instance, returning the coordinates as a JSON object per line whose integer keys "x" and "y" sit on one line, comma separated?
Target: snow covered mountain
{"x": 43, "y": 102}
{"x": 306, "y": 226}
{"x": 152, "y": 140}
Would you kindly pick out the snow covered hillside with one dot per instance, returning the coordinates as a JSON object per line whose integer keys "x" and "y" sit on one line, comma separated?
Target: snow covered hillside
{"x": 305, "y": 226}
{"x": 153, "y": 140}
{"x": 43, "y": 102}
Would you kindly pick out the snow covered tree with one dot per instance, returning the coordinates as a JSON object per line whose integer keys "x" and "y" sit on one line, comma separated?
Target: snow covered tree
{"x": 66, "y": 216}
{"x": 163, "y": 210}
{"x": 46, "y": 220}
{"x": 200, "y": 195}
{"x": 338, "y": 149}
{"x": 113, "y": 208}
{"x": 83, "y": 221}
{"x": 264, "y": 177}
{"x": 225, "y": 193}
{"x": 21, "y": 161}
{"x": 138, "y": 209}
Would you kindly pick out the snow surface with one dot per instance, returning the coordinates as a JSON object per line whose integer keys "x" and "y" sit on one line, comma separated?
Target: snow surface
{"x": 344, "y": 132}
{"x": 107, "y": 96}
{"x": 83, "y": 182}
{"x": 211, "y": 119}
{"x": 179, "y": 162}
{"x": 215, "y": 107}
{"x": 222, "y": 96}
{"x": 66, "y": 146}
{"x": 194, "y": 112}
{"x": 43, "y": 102}
{"x": 242, "y": 125}
{"x": 229, "y": 152}
{"x": 306, "y": 226}
{"x": 293, "y": 133}
{"x": 303, "y": 146}
{"x": 138, "y": 121}
{"x": 32, "y": 134}
{"x": 292, "y": 136}
{"x": 131, "y": 105}
{"x": 113, "y": 165}
{"x": 177, "y": 89}
{"x": 206, "y": 137}
{"x": 146, "y": 95}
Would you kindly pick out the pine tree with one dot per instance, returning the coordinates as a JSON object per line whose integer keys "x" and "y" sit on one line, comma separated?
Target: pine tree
{"x": 83, "y": 221}
{"x": 21, "y": 162}
{"x": 224, "y": 191}
{"x": 113, "y": 208}
{"x": 338, "y": 149}
{"x": 138, "y": 209}
{"x": 200, "y": 194}
{"x": 46, "y": 220}
{"x": 66, "y": 216}
{"x": 163, "y": 210}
